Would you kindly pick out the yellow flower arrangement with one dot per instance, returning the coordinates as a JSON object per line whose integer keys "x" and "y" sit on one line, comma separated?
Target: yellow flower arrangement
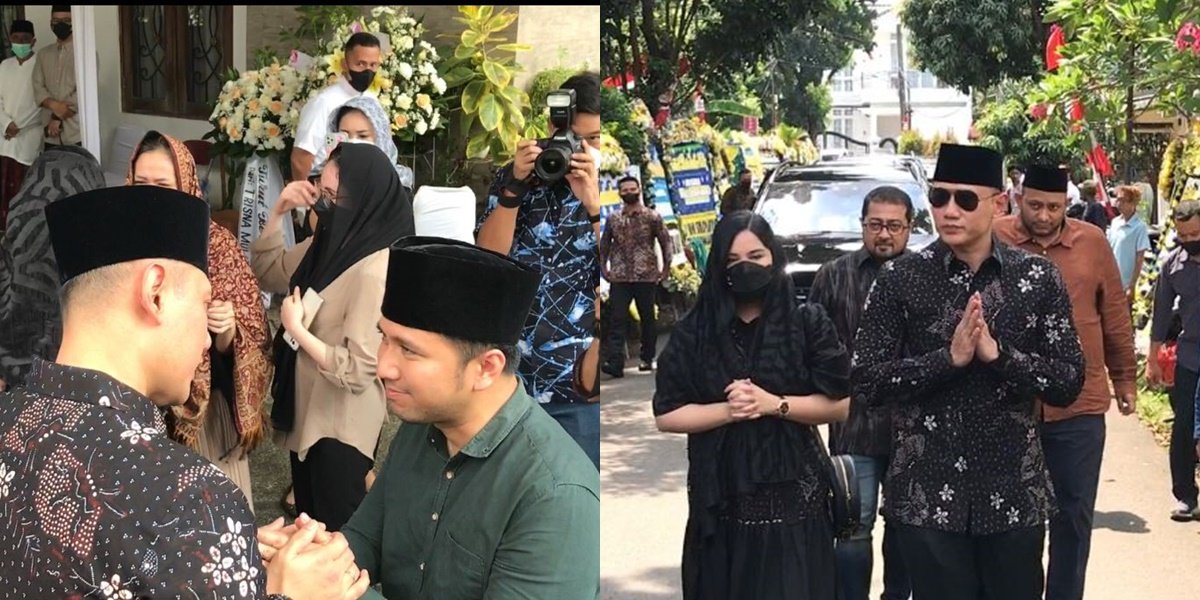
{"x": 254, "y": 113}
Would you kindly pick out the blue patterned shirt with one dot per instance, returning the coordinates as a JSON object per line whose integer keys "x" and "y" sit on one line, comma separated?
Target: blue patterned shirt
{"x": 554, "y": 235}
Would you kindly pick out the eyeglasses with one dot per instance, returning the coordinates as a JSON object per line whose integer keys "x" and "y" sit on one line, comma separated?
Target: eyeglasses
{"x": 893, "y": 227}
{"x": 965, "y": 199}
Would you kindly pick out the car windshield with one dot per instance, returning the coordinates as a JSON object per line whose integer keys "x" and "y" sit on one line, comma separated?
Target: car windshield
{"x": 805, "y": 207}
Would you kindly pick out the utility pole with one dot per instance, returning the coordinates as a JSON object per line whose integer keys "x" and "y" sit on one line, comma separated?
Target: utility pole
{"x": 902, "y": 80}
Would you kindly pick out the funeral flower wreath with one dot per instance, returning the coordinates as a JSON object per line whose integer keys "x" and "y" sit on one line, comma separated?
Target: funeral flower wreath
{"x": 407, "y": 83}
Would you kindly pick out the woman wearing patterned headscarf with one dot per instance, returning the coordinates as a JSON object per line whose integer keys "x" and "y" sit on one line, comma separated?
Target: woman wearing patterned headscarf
{"x": 222, "y": 418}
{"x": 30, "y": 319}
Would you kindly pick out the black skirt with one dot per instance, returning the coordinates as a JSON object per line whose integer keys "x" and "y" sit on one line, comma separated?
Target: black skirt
{"x": 762, "y": 548}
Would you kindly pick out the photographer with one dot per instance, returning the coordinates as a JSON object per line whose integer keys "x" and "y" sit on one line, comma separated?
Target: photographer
{"x": 546, "y": 212}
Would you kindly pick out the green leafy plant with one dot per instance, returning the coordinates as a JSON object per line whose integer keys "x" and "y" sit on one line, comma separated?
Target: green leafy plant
{"x": 538, "y": 117}
{"x": 316, "y": 23}
{"x": 1006, "y": 128}
{"x": 616, "y": 116}
{"x": 1121, "y": 57}
{"x": 545, "y": 82}
{"x": 265, "y": 57}
{"x": 911, "y": 143}
{"x": 492, "y": 110}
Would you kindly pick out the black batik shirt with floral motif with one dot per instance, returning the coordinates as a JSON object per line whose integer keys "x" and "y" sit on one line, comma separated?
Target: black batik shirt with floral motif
{"x": 967, "y": 457}
{"x": 97, "y": 502}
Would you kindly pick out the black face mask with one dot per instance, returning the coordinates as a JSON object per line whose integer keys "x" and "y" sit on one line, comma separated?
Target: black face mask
{"x": 61, "y": 30}
{"x": 361, "y": 80}
{"x": 631, "y": 198}
{"x": 323, "y": 207}
{"x": 1192, "y": 248}
{"x": 748, "y": 281}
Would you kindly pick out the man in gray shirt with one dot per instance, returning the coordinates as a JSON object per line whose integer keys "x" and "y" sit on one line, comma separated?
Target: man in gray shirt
{"x": 1180, "y": 279}
{"x": 54, "y": 81}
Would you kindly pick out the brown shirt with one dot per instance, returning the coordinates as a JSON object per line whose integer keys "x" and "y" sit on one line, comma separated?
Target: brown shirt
{"x": 627, "y": 246}
{"x": 1099, "y": 308}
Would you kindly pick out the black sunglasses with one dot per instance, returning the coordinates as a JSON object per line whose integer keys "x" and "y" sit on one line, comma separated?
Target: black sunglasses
{"x": 965, "y": 199}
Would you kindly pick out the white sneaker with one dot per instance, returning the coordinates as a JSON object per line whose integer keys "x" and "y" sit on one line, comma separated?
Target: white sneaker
{"x": 1184, "y": 512}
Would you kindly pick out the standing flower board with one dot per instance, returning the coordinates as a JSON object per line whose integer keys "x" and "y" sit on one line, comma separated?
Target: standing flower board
{"x": 693, "y": 191}
{"x": 656, "y": 180}
{"x": 1179, "y": 181}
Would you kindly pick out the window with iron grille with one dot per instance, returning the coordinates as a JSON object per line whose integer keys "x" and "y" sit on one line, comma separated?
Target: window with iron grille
{"x": 173, "y": 58}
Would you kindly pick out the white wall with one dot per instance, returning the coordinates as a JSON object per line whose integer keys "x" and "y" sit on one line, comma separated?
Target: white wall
{"x": 108, "y": 49}
{"x": 935, "y": 110}
{"x": 566, "y": 36}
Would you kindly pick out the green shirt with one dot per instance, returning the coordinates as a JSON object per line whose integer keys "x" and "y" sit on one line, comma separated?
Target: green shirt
{"x": 516, "y": 514}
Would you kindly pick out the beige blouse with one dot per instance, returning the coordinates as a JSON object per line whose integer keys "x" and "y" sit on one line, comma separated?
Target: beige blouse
{"x": 346, "y": 403}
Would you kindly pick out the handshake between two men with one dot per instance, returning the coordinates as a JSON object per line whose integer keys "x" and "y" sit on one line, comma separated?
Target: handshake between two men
{"x": 304, "y": 561}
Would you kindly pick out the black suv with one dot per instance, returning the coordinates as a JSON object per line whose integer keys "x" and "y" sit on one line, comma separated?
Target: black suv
{"x": 816, "y": 210}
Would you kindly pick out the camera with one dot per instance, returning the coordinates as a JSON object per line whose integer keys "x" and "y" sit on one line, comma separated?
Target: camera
{"x": 555, "y": 160}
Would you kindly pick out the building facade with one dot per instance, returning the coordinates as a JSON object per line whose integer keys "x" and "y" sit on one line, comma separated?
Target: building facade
{"x": 161, "y": 66}
{"x": 866, "y": 94}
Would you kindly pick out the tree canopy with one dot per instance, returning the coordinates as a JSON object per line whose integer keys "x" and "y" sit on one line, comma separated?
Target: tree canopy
{"x": 976, "y": 43}
{"x": 727, "y": 46}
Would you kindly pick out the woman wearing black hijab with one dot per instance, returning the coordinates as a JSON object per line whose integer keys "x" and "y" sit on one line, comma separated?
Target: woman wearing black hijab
{"x": 329, "y": 406}
{"x": 747, "y": 375}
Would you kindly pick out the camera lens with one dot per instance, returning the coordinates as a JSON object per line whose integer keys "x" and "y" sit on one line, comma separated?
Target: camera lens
{"x": 552, "y": 164}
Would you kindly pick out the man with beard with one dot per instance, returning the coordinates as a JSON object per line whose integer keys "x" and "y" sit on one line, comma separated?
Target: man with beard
{"x": 841, "y": 286}
{"x": 740, "y": 197}
{"x": 1073, "y": 437}
{"x": 961, "y": 338}
{"x": 627, "y": 261}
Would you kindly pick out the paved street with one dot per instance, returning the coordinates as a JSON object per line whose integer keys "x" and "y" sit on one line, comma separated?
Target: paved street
{"x": 1137, "y": 551}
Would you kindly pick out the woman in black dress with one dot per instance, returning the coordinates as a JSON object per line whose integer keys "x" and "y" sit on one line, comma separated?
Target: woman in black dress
{"x": 747, "y": 375}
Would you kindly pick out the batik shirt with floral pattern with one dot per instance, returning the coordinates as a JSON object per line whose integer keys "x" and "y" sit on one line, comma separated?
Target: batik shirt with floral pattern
{"x": 96, "y": 502}
{"x": 967, "y": 456}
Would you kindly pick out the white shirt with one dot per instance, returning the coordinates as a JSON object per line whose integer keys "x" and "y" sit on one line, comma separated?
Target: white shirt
{"x": 17, "y": 106}
{"x": 1073, "y": 193}
{"x": 314, "y": 117}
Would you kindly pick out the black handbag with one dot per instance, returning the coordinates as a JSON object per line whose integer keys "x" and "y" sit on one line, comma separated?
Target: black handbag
{"x": 845, "y": 503}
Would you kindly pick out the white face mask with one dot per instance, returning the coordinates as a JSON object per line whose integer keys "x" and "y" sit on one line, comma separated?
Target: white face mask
{"x": 595, "y": 153}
